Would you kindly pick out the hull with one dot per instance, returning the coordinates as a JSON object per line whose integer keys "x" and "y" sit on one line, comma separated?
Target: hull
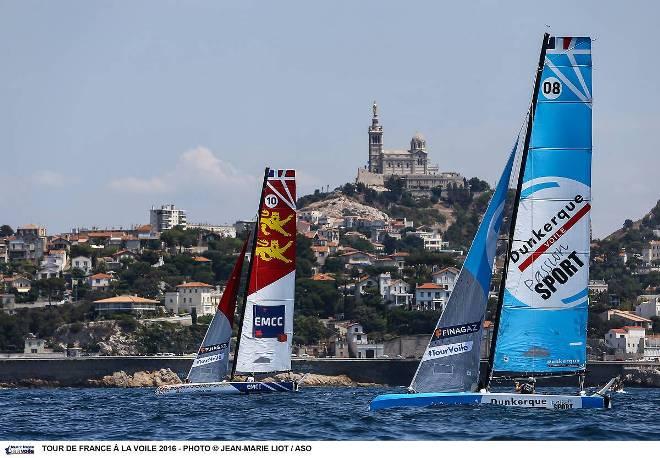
{"x": 228, "y": 388}
{"x": 542, "y": 401}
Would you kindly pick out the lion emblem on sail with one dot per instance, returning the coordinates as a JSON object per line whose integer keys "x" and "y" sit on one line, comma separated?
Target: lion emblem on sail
{"x": 272, "y": 221}
{"x": 271, "y": 250}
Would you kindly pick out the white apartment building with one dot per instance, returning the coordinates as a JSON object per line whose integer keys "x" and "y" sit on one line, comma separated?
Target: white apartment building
{"x": 166, "y": 217}
{"x": 201, "y": 297}
{"x": 649, "y": 305}
{"x": 432, "y": 240}
{"x": 628, "y": 340}
{"x": 430, "y": 296}
{"x": 53, "y": 264}
{"x": 222, "y": 230}
{"x": 446, "y": 278}
{"x": 651, "y": 252}
{"x": 83, "y": 263}
{"x": 358, "y": 344}
{"x": 394, "y": 292}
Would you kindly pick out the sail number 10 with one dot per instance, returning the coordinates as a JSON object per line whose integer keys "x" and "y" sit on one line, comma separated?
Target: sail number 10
{"x": 551, "y": 88}
{"x": 271, "y": 201}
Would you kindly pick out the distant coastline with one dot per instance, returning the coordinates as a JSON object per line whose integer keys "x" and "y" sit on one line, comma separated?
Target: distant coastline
{"x": 71, "y": 372}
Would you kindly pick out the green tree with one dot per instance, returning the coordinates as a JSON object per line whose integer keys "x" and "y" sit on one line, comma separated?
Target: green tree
{"x": 6, "y": 231}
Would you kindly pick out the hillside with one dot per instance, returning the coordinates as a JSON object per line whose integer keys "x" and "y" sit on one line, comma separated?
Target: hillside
{"x": 454, "y": 213}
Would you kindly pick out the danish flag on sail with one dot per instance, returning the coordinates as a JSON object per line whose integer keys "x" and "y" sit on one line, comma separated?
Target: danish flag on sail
{"x": 267, "y": 330}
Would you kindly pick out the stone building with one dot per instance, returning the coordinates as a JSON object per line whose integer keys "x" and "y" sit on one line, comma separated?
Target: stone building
{"x": 412, "y": 164}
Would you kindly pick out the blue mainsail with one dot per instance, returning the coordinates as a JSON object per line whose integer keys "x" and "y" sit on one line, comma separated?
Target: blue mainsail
{"x": 451, "y": 360}
{"x": 543, "y": 321}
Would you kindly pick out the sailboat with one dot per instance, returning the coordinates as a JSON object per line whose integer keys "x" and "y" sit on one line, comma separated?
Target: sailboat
{"x": 540, "y": 325}
{"x": 263, "y": 345}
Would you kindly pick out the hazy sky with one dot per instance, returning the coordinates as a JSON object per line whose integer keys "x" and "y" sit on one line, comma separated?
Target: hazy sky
{"x": 109, "y": 107}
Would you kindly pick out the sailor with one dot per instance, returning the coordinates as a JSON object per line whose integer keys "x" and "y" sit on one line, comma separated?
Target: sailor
{"x": 187, "y": 380}
{"x": 526, "y": 388}
{"x": 250, "y": 378}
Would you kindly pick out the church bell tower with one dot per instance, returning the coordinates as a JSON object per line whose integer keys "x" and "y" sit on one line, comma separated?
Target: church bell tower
{"x": 375, "y": 142}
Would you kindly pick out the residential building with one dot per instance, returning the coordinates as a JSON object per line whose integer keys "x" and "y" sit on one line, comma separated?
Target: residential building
{"x": 430, "y": 296}
{"x": 198, "y": 296}
{"x": 166, "y": 217}
{"x": 99, "y": 281}
{"x": 34, "y": 345}
{"x": 124, "y": 255}
{"x": 627, "y": 340}
{"x": 446, "y": 278}
{"x": 243, "y": 226}
{"x": 20, "y": 282}
{"x": 53, "y": 264}
{"x": 323, "y": 277}
{"x": 7, "y": 301}
{"x": 649, "y": 306}
{"x": 130, "y": 304}
{"x": 4, "y": 250}
{"x": 59, "y": 243}
{"x": 598, "y": 286}
{"x": 357, "y": 258}
{"x": 432, "y": 240}
{"x": 394, "y": 292}
{"x": 83, "y": 263}
{"x": 359, "y": 345}
{"x": 329, "y": 233}
{"x": 651, "y": 252}
{"x": 652, "y": 347}
{"x": 627, "y": 317}
{"x": 29, "y": 242}
{"x": 321, "y": 253}
{"x": 226, "y": 231}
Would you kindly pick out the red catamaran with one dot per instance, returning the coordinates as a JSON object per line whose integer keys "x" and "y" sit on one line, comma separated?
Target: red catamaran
{"x": 266, "y": 324}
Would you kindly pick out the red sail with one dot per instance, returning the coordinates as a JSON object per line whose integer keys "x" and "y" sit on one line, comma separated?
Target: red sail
{"x": 227, "y": 304}
{"x": 275, "y": 250}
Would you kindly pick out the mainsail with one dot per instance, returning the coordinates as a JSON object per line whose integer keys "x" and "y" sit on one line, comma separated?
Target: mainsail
{"x": 267, "y": 329}
{"x": 543, "y": 320}
{"x": 212, "y": 361}
{"x": 451, "y": 360}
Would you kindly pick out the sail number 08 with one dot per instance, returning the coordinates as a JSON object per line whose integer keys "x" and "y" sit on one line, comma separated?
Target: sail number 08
{"x": 551, "y": 88}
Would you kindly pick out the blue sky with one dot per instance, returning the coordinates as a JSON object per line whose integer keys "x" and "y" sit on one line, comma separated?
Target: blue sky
{"x": 110, "y": 107}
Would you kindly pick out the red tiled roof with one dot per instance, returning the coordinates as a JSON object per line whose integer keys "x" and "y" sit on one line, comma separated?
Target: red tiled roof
{"x": 201, "y": 259}
{"x": 125, "y": 299}
{"x": 194, "y": 284}
{"x": 429, "y": 286}
{"x": 323, "y": 277}
{"x": 100, "y": 276}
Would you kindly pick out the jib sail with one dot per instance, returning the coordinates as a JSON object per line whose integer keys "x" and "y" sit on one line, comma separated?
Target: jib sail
{"x": 451, "y": 360}
{"x": 212, "y": 361}
{"x": 543, "y": 321}
{"x": 267, "y": 330}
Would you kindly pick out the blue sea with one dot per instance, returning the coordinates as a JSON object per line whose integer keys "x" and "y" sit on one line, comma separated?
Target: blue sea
{"x": 311, "y": 414}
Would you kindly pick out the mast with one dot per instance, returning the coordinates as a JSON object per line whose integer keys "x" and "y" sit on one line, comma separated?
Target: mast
{"x": 249, "y": 275}
{"x": 514, "y": 215}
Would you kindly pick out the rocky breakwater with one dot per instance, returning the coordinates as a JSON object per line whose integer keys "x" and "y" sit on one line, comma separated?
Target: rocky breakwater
{"x": 139, "y": 379}
{"x": 318, "y": 380}
{"x": 644, "y": 377}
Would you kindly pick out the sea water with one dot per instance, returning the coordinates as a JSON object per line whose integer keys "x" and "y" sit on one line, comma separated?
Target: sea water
{"x": 311, "y": 414}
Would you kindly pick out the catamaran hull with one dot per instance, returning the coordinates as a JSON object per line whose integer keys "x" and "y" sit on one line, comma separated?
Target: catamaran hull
{"x": 228, "y": 388}
{"x": 543, "y": 401}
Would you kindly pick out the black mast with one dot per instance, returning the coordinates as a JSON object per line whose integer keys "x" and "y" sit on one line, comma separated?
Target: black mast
{"x": 253, "y": 234}
{"x": 514, "y": 214}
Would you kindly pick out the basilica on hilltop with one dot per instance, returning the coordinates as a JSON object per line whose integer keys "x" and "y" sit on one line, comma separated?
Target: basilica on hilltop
{"x": 411, "y": 165}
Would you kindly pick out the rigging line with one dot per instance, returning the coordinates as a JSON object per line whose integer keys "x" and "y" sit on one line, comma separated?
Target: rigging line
{"x": 512, "y": 226}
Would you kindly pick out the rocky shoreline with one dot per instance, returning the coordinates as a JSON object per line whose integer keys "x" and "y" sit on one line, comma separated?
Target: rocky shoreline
{"x": 146, "y": 379}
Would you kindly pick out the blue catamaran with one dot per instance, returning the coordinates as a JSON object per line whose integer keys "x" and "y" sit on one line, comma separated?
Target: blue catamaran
{"x": 541, "y": 320}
